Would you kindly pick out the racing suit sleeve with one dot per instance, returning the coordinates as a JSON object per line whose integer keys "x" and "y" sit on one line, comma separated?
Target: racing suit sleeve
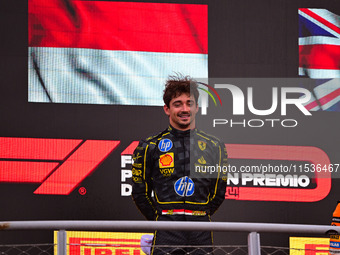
{"x": 141, "y": 178}
{"x": 336, "y": 215}
{"x": 335, "y": 238}
{"x": 218, "y": 185}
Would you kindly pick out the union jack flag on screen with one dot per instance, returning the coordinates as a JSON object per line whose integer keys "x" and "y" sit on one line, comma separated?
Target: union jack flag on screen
{"x": 319, "y": 56}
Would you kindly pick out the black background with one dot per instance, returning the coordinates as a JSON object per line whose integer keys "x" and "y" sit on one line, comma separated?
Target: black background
{"x": 246, "y": 39}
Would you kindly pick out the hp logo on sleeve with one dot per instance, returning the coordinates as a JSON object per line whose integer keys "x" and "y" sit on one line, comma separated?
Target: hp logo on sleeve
{"x": 165, "y": 145}
{"x": 184, "y": 187}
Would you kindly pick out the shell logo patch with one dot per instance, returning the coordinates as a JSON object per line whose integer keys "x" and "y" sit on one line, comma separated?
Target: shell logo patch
{"x": 166, "y": 160}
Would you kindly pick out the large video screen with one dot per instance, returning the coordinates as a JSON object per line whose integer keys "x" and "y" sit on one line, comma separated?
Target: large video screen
{"x": 82, "y": 83}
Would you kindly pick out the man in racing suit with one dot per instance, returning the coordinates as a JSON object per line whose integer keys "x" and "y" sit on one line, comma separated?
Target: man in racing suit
{"x": 173, "y": 164}
{"x": 334, "y": 245}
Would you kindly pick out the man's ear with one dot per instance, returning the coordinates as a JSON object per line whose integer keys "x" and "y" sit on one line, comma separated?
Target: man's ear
{"x": 166, "y": 110}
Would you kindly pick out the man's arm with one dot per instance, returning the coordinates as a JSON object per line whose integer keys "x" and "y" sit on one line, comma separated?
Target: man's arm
{"x": 141, "y": 177}
{"x": 334, "y": 239}
{"x": 218, "y": 185}
{"x": 336, "y": 215}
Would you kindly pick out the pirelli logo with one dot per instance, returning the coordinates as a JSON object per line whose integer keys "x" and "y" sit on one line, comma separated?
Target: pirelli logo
{"x": 102, "y": 243}
{"x": 308, "y": 246}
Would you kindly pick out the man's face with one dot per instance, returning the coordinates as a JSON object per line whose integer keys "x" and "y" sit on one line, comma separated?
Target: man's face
{"x": 182, "y": 111}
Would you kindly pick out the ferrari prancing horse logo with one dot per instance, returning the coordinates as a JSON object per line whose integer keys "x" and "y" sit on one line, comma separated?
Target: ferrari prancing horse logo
{"x": 202, "y": 145}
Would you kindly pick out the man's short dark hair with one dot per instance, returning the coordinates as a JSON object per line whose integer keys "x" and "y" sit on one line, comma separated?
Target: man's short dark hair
{"x": 176, "y": 85}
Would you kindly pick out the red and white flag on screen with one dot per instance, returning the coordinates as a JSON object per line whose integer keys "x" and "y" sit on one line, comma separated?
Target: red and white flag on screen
{"x": 103, "y": 52}
{"x": 319, "y": 56}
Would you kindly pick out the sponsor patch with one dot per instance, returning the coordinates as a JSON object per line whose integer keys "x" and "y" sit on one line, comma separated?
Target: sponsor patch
{"x": 199, "y": 213}
{"x": 165, "y": 145}
{"x": 202, "y": 145}
{"x": 136, "y": 172}
{"x": 184, "y": 187}
{"x": 136, "y": 156}
{"x": 334, "y": 244}
{"x": 137, "y": 165}
{"x": 166, "y": 160}
{"x": 137, "y": 179}
{"x": 202, "y": 161}
{"x": 167, "y": 172}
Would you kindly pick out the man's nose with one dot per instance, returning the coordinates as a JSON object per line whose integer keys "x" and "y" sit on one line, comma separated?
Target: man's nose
{"x": 185, "y": 108}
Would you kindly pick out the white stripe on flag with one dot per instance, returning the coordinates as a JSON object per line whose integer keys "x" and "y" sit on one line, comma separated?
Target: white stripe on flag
{"x": 319, "y": 73}
{"x": 312, "y": 40}
{"x": 88, "y": 76}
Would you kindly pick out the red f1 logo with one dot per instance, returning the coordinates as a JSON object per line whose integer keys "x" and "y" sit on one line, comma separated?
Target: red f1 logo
{"x": 60, "y": 165}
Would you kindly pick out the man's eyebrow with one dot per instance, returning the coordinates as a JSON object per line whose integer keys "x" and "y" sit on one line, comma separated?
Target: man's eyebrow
{"x": 177, "y": 101}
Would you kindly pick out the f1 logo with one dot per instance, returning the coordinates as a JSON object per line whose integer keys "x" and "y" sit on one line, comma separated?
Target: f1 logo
{"x": 60, "y": 165}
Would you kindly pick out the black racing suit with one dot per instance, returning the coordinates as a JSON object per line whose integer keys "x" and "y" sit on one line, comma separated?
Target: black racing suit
{"x": 162, "y": 164}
